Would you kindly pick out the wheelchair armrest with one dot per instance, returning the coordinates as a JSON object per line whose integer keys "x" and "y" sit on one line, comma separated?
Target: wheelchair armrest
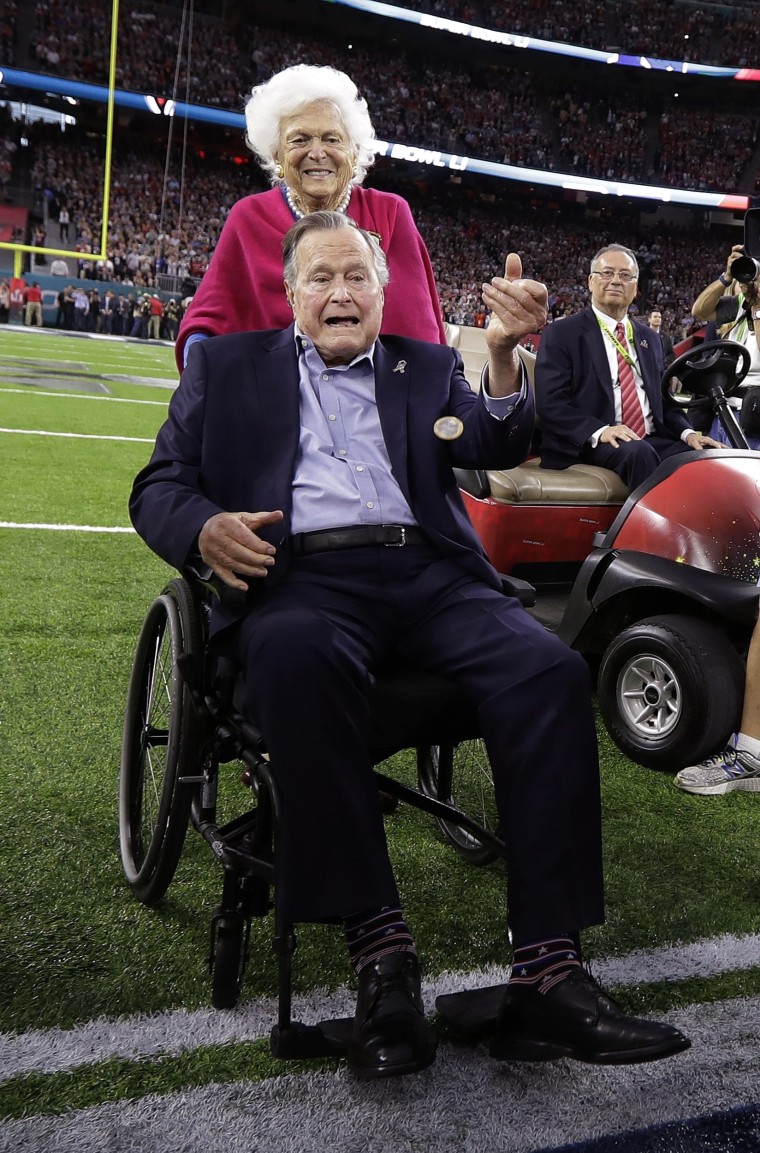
{"x": 204, "y": 579}
{"x": 511, "y": 586}
{"x": 515, "y": 587}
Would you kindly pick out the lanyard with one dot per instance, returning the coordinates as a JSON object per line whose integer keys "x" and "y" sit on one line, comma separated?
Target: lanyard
{"x": 741, "y": 324}
{"x": 620, "y": 348}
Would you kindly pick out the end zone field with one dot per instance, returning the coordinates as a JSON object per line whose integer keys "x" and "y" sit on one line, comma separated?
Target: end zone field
{"x": 104, "y": 1002}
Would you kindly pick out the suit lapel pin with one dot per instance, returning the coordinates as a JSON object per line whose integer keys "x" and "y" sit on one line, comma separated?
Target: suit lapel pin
{"x": 401, "y": 366}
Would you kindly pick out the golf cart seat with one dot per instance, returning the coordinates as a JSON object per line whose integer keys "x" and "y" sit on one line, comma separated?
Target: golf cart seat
{"x": 528, "y": 483}
{"x": 578, "y": 484}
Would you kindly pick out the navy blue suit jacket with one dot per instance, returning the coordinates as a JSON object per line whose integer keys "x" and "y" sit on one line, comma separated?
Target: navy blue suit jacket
{"x": 574, "y": 394}
{"x": 231, "y": 440}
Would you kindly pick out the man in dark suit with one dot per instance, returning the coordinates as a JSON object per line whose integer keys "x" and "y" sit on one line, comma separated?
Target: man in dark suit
{"x": 654, "y": 320}
{"x": 598, "y": 375}
{"x": 348, "y": 442}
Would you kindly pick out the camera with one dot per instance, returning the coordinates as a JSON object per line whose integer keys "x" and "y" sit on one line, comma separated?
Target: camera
{"x": 746, "y": 268}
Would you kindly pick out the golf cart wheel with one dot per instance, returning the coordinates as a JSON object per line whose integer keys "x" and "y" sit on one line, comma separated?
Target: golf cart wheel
{"x": 460, "y": 775}
{"x": 670, "y": 691}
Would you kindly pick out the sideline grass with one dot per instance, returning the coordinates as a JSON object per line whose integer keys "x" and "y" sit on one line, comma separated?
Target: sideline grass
{"x": 78, "y": 413}
{"x": 117, "y": 1080}
{"x": 120, "y": 1080}
{"x": 74, "y": 944}
{"x": 70, "y": 634}
{"x": 134, "y": 358}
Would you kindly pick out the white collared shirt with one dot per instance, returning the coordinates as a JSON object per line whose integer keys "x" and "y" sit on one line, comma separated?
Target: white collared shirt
{"x": 610, "y": 324}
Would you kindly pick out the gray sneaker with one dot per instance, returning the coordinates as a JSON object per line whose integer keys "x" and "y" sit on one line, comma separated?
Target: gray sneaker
{"x": 726, "y": 772}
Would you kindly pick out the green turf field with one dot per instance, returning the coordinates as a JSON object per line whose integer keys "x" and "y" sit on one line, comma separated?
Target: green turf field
{"x": 74, "y": 944}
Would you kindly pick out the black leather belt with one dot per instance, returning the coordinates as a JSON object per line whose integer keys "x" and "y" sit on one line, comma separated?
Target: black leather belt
{"x": 356, "y": 536}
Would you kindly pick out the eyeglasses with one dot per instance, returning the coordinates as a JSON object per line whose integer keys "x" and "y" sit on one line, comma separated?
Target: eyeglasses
{"x": 611, "y": 273}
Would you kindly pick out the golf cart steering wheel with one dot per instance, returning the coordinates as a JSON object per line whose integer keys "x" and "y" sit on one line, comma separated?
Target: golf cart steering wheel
{"x": 716, "y": 364}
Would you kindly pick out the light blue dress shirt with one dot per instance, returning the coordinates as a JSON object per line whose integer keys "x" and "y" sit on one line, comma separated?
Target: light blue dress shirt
{"x": 343, "y": 472}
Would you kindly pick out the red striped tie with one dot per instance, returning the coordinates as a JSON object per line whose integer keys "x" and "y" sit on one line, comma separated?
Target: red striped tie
{"x": 631, "y": 410}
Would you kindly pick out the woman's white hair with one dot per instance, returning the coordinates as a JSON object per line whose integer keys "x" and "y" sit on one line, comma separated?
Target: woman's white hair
{"x": 293, "y": 89}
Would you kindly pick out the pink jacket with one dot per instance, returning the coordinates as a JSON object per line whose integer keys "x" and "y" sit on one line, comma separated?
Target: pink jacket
{"x": 243, "y": 290}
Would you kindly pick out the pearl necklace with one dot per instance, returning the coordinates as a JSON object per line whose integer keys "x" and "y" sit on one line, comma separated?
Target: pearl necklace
{"x": 298, "y": 214}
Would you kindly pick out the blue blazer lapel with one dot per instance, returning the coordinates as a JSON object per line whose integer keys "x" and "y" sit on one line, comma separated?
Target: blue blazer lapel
{"x": 393, "y": 378}
{"x": 593, "y": 339}
{"x": 647, "y": 361}
{"x": 279, "y": 397}
{"x": 277, "y": 405}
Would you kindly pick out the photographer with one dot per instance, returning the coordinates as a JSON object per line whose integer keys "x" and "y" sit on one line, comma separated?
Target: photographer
{"x": 732, "y": 305}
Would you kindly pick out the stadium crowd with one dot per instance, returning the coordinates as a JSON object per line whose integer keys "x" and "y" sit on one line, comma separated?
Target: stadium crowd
{"x": 467, "y": 240}
{"x": 169, "y": 227}
{"x": 617, "y": 139}
{"x": 72, "y": 38}
{"x": 146, "y": 237}
{"x": 685, "y": 31}
{"x": 8, "y": 15}
{"x": 7, "y": 144}
{"x": 467, "y": 235}
{"x": 596, "y": 132}
{"x": 722, "y": 35}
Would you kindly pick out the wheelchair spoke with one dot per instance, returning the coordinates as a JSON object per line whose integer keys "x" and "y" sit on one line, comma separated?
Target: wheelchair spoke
{"x": 161, "y": 681}
{"x": 154, "y": 777}
{"x": 461, "y": 775}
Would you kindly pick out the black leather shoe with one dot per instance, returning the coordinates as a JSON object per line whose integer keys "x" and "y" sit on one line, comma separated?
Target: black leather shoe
{"x": 578, "y": 1019}
{"x": 390, "y": 1035}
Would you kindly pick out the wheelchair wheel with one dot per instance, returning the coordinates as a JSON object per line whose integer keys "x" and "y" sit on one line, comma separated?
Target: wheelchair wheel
{"x": 231, "y": 933}
{"x": 159, "y": 746}
{"x": 460, "y": 775}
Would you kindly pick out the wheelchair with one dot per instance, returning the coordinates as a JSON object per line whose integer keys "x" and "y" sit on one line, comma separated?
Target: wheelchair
{"x": 183, "y": 723}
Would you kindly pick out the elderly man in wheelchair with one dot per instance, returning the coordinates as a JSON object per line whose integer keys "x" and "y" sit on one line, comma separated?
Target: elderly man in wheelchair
{"x": 348, "y": 440}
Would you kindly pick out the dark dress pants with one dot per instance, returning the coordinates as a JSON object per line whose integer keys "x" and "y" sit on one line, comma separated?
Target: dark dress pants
{"x": 635, "y": 460}
{"x": 307, "y": 651}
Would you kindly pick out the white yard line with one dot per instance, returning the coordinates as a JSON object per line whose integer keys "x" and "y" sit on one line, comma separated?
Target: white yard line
{"x": 65, "y": 527}
{"x": 78, "y": 435}
{"x": 177, "y": 1031}
{"x": 83, "y": 396}
{"x": 464, "y": 1103}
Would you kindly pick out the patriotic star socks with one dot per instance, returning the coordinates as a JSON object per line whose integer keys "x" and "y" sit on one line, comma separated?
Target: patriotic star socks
{"x": 374, "y": 934}
{"x": 541, "y": 965}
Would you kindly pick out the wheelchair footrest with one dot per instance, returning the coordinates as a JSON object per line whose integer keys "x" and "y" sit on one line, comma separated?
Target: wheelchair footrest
{"x": 301, "y": 1042}
{"x": 473, "y": 1013}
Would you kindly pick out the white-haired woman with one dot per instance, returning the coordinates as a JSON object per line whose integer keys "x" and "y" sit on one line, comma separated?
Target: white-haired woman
{"x": 312, "y": 134}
